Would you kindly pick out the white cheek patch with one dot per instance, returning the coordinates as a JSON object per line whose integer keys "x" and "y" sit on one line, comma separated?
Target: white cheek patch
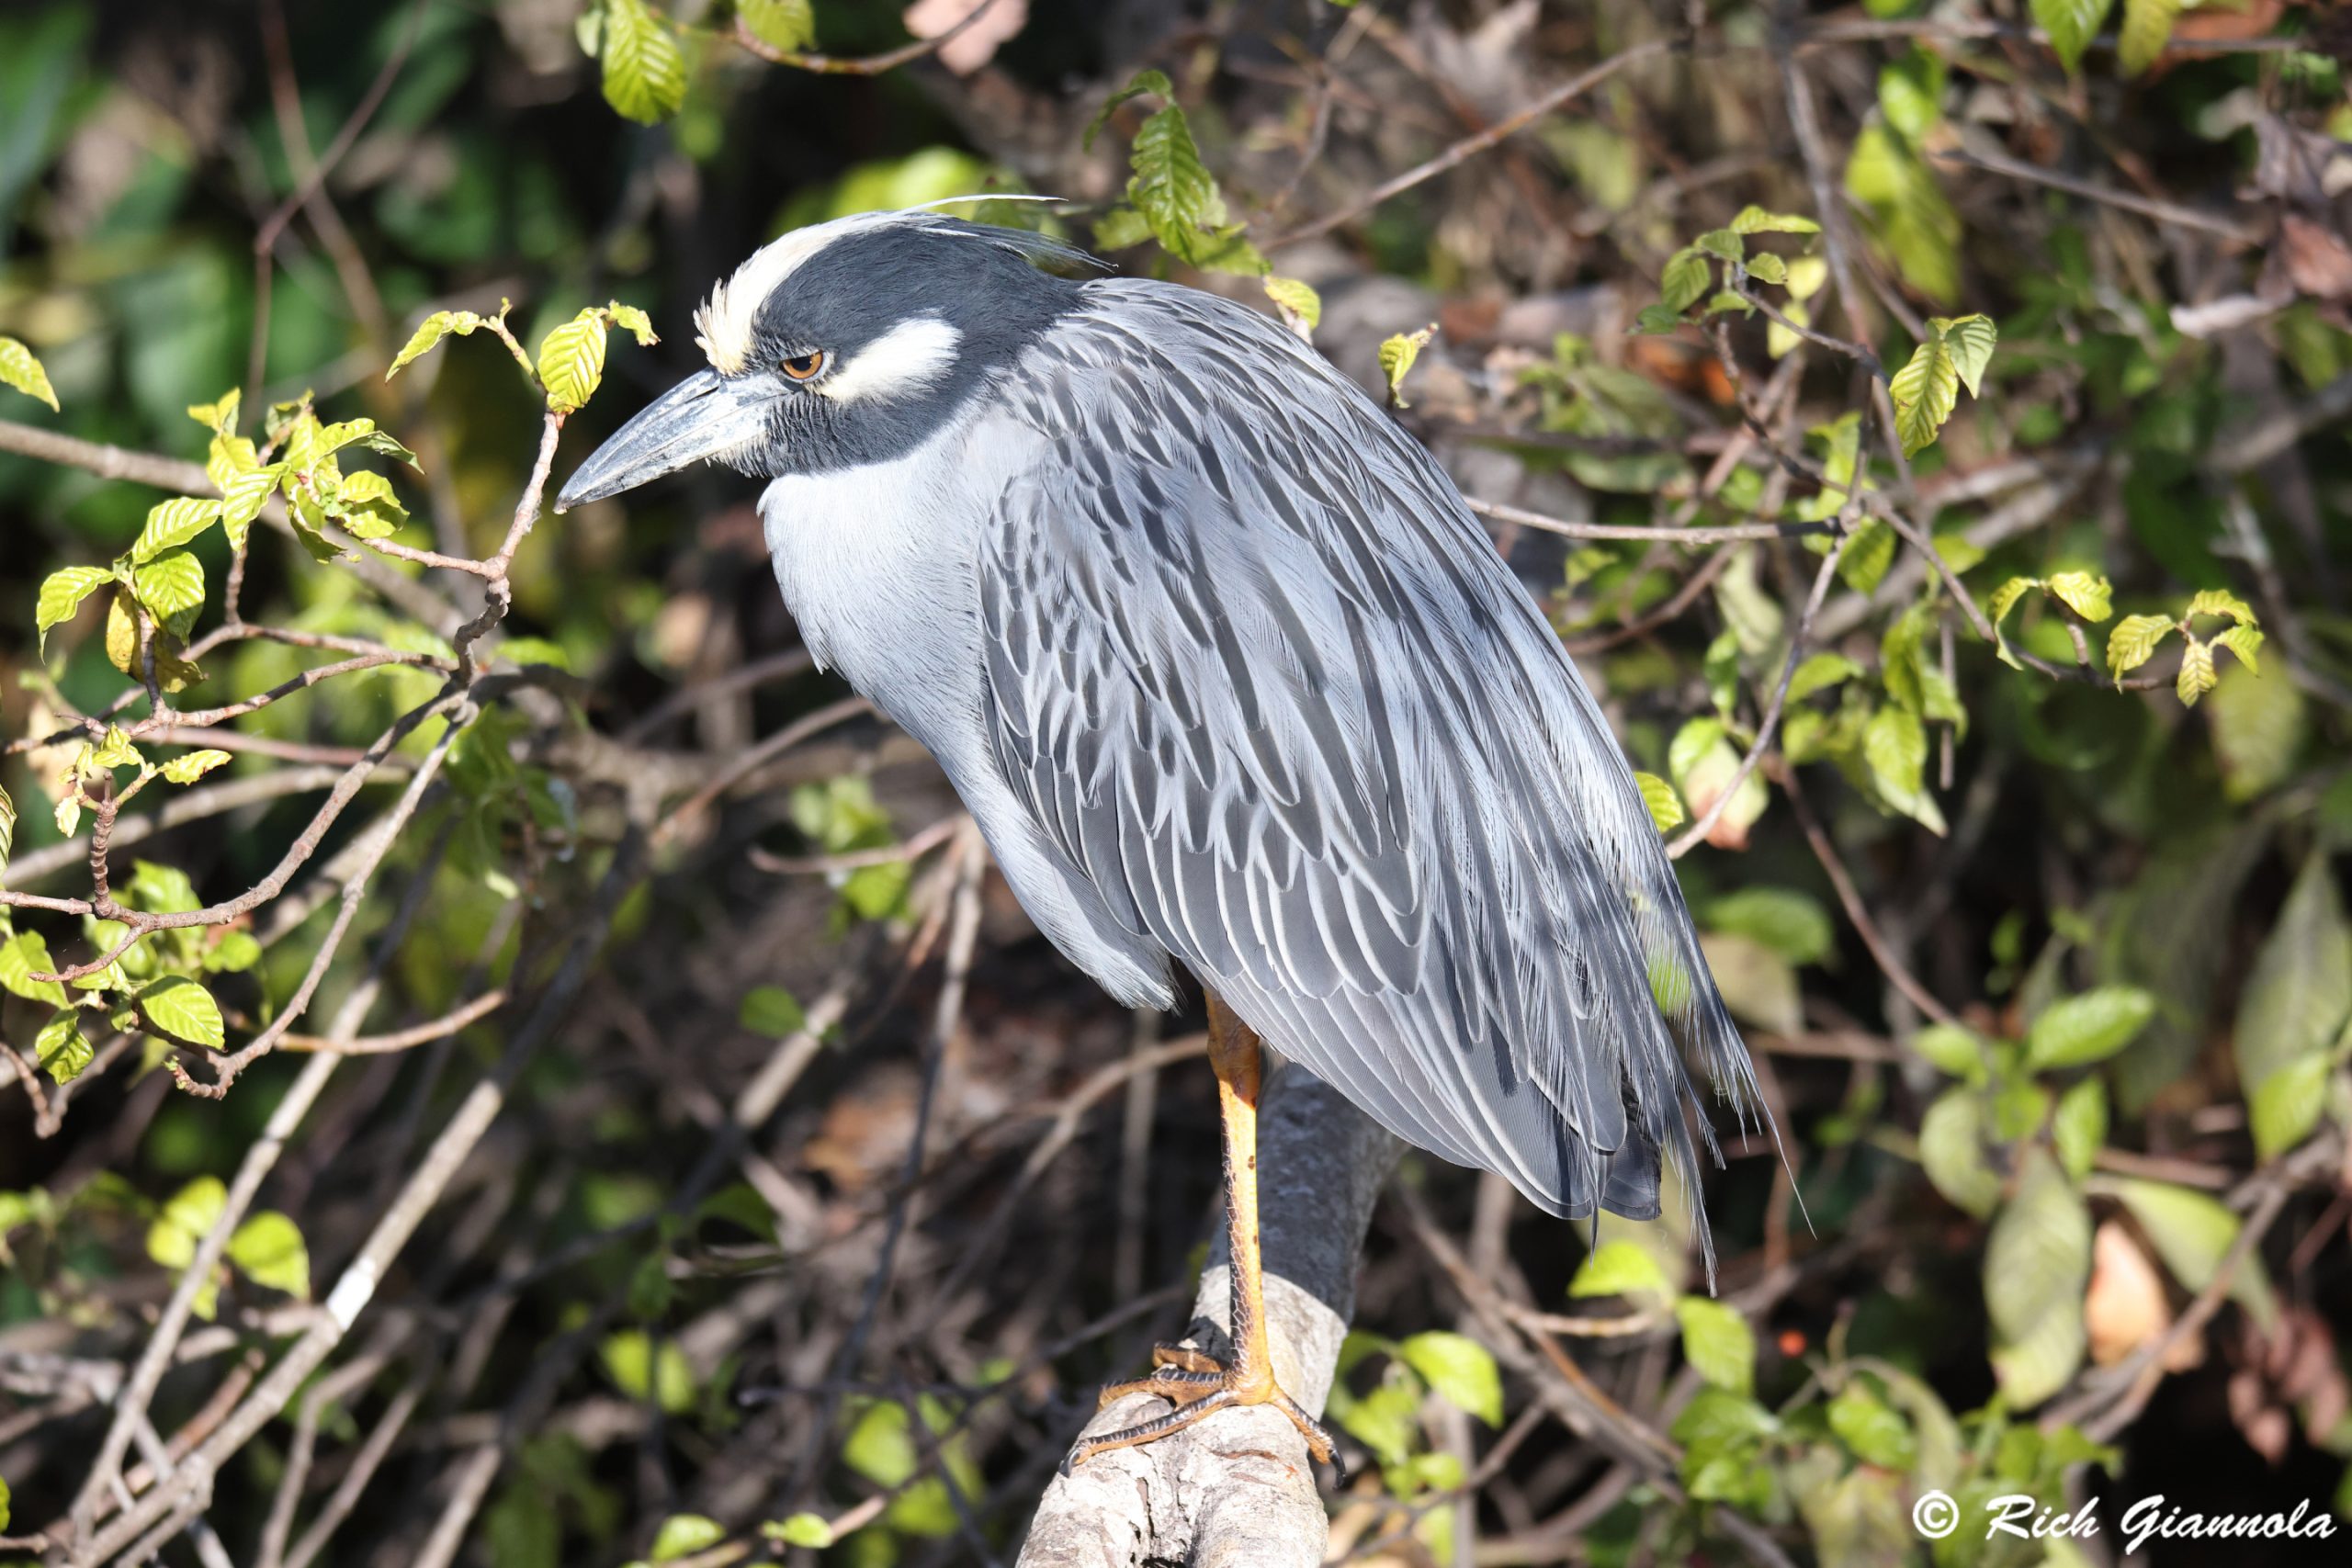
{"x": 909, "y": 357}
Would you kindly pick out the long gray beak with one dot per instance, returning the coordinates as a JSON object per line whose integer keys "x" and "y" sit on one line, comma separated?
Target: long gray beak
{"x": 702, "y": 417}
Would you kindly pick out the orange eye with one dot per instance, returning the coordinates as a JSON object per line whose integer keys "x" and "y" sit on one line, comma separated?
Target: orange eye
{"x": 802, "y": 367}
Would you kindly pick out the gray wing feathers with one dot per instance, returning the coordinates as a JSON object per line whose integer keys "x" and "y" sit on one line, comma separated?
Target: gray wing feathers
{"x": 1256, "y": 673}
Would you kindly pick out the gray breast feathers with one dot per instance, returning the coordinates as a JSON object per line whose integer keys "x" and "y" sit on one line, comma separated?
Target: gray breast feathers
{"x": 1255, "y": 672}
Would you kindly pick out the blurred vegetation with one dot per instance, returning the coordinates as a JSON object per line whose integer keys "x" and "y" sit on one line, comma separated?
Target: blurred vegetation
{"x": 769, "y": 1200}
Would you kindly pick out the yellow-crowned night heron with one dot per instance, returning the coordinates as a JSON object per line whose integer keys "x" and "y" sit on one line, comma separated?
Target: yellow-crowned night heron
{"x": 1229, "y": 676}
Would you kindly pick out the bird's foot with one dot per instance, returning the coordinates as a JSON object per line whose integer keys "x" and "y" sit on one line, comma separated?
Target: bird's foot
{"x": 1198, "y": 1385}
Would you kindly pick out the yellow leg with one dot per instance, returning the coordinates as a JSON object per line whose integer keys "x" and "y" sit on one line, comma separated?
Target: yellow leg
{"x": 1197, "y": 1383}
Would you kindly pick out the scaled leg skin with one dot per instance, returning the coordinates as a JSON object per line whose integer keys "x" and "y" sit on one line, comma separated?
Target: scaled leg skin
{"x": 1195, "y": 1383}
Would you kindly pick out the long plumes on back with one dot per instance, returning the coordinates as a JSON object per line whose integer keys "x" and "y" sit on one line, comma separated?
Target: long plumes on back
{"x": 1260, "y": 679}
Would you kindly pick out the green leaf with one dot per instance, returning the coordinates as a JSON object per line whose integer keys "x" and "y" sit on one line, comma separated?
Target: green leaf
{"x": 268, "y": 1250}
{"x": 243, "y": 498}
{"x": 1171, "y": 187}
{"x": 2037, "y": 1266}
{"x": 1792, "y": 924}
{"x": 1895, "y": 748}
{"x": 2147, "y": 28}
{"x": 1398, "y": 353}
{"x": 22, "y": 956}
{"x": 429, "y": 332}
{"x": 2089, "y": 594}
{"x": 188, "y": 767}
{"x": 2286, "y": 1106}
{"x": 1462, "y": 1370}
{"x": 1146, "y": 81}
{"x": 645, "y": 74}
{"x": 2193, "y": 1233}
{"x": 683, "y": 1535}
{"x": 634, "y": 321}
{"x": 571, "y": 357}
{"x": 2298, "y": 993}
{"x": 1820, "y": 673}
{"x": 1874, "y": 1430}
{"x": 1621, "y": 1267}
{"x": 2079, "y": 1127}
{"x": 162, "y": 889}
{"x": 1971, "y": 340}
{"x": 1296, "y": 301}
{"x": 172, "y": 523}
{"x": 172, "y": 587}
{"x": 19, "y": 369}
{"x": 1956, "y": 1051}
{"x": 368, "y": 508}
{"x": 2245, "y": 642}
{"x": 1766, "y": 268}
{"x": 1685, "y": 280}
{"x": 2088, "y": 1028}
{"x": 800, "y": 1530}
{"x": 62, "y": 593}
{"x": 186, "y": 1219}
{"x": 2134, "y": 642}
{"x": 1655, "y": 320}
{"x": 772, "y": 1010}
{"x": 1926, "y": 391}
{"x": 1723, "y": 243}
{"x": 2197, "y": 676}
{"x": 640, "y": 1372}
{"x": 180, "y": 1007}
{"x": 1952, "y": 1151}
{"x": 2258, "y": 730}
{"x": 1665, "y": 805}
{"x": 1912, "y": 222}
{"x": 1718, "y": 1343}
{"x": 787, "y": 25}
{"x": 1756, "y": 220}
{"x": 2071, "y": 24}
{"x": 59, "y": 1049}
{"x": 235, "y": 953}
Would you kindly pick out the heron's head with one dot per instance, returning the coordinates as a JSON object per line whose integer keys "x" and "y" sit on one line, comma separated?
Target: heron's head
{"x": 842, "y": 344}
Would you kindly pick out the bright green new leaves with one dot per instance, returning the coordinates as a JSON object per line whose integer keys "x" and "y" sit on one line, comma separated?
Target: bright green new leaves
{"x": 2087, "y": 594}
{"x": 1685, "y": 280}
{"x": 187, "y": 1218}
{"x": 1460, "y": 1369}
{"x": 772, "y": 1010}
{"x": 59, "y": 1049}
{"x": 429, "y": 332}
{"x": 1621, "y": 1267}
{"x": 1398, "y": 354}
{"x": 642, "y": 1372}
{"x": 1910, "y": 217}
{"x": 62, "y": 593}
{"x": 1665, "y": 805}
{"x": 2037, "y": 1266}
{"x": 188, "y": 767}
{"x": 172, "y": 523}
{"x": 571, "y": 357}
{"x": 172, "y": 587}
{"x": 2136, "y": 638}
{"x": 787, "y": 25}
{"x": 1753, "y": 219}
{"x": 2071, "y": 24}
{"x": 369, "y": 508}
{"x": 2089, "y": 1028}
{"x": 180, "y": 1007}
{"x": 1302, "y": 308}
{"x": 1171, "y": 187}
{"x": 19, "y": 369}
{"x": 23, "y": 955}
{"x": 1718, "y": 1343}
{"x": 2147, "y": 28}
{"x": 1927, "y": 389}
{"x": 1172, "y": 196}
{"x": 800, "y": 1530}
{"x": 268, "y": 1250}
{"x": 683, "y": 1535}
{"x": 644, "y": 70}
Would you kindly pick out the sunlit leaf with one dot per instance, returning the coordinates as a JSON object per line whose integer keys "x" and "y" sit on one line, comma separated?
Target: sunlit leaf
{"x": 180, "y": 1007}
{"x": 787, "y": 25}
{"x": 2134, "y": 642}
{"x": 1718, "y": 1343}
{"x": 2147, "y": 28}
{"x": 644, "y": 72}
{"x": 2089, "y": 594}
{"x": 22, "y": 956}
{"x": 59, "y": 1049}
{"x": 1685, "y": 280}
{"x": 1926, "y": 391}
{"x": 2088, "y": 1028}
{"x": 62, "y": 593}
{"x": 1462, "y": 1370}
{"x": 268, "y": 1250}
{"x": 1398, "y": 354}
{"x": 571, "y": 360}
{"x": 1296, "y": 301}
{"x": 172, "y": 587}
{"x": 2071, "y": 24}
{"x": 1665, "y": 805}
{"x": 1621, "y": 1267}
{"x": 1756, "y": 220}
{"x": 683, "y": 1535}
{"x": 2197, "y": 676}
{"x": 19, "y": 369}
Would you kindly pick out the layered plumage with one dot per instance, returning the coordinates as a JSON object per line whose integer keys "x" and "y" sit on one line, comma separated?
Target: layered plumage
{"x": 1230, "y": 676}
